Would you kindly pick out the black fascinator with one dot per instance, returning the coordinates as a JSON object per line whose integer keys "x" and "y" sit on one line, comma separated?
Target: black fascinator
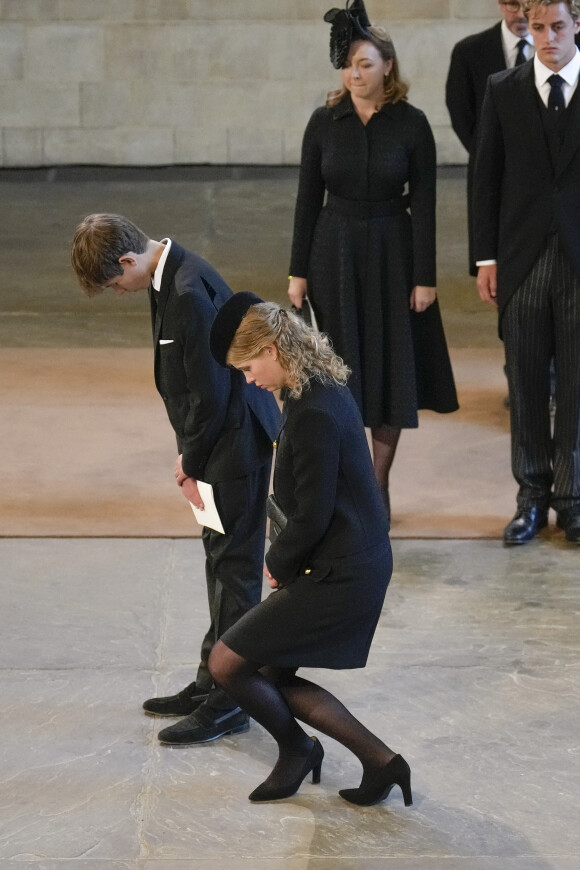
{"x": 347, "y": 25}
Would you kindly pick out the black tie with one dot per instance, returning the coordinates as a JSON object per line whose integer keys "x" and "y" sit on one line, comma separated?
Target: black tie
{"x": 556, "y": 102}
{"x": 520, "y": 56}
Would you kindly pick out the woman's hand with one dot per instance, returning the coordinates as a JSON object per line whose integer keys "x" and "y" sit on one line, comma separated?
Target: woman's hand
{"x": 297, "y": 291}
{"x": 271, "y": 582}
{"x": 422, "y": 297}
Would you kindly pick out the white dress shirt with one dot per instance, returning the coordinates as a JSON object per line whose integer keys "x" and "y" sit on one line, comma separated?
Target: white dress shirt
{"x": 569, "y": 73}
{"x": 509, "y": 43}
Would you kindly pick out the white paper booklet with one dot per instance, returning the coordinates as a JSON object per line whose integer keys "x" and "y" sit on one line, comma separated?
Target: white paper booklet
{"x": 209, "y": 516}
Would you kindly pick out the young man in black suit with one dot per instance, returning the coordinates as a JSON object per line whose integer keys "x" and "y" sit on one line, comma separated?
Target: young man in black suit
{"x": 473, "y": 59}
{"x": 527, "y": 246}
{"x": 224, "y": 430}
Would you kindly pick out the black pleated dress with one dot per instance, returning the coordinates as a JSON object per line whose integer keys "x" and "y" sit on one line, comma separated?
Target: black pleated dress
{"x": 365, "y": 248}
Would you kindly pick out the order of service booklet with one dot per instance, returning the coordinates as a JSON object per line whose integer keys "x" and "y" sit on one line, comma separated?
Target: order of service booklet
{"x": 209, "y": 516}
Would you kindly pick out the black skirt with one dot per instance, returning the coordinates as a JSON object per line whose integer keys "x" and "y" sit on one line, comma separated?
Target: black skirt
{"x": 359, "y": 282}
{"x": 318, "y": 624}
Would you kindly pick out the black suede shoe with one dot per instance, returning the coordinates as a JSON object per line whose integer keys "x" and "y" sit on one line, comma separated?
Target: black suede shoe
{"x": 182, "y": 704}
{"x": 205, "y": 724}
{"x": 569, "y": 520}
{"x": 524, "y": 526}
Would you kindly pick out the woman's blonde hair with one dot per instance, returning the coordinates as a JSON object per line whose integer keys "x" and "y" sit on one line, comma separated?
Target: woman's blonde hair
{"x": 303, "y": 353}
{"x": 395, "y": 89}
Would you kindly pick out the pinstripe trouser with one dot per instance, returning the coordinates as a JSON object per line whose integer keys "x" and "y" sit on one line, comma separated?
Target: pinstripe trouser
{"x": 541, "y": 320}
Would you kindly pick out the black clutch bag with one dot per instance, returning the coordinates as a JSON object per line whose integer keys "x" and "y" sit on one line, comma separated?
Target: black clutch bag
{"x": 277, "y": 517}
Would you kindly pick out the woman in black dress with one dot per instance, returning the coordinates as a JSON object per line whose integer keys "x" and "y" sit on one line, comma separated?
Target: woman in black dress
{"x": 366, "y": 255}
{"x": 330, "y": 564}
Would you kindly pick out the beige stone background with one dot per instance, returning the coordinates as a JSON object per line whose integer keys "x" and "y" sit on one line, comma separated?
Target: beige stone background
{"x": 153, "y": 82}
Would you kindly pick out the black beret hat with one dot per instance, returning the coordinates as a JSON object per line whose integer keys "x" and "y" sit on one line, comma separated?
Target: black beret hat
{"x": 226, "y": 322}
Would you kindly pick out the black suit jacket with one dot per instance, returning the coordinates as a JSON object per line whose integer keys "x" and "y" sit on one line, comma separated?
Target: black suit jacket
{"x": 325, "y": 484}
{"x": 473, "y": 60}
{"x": 519, "y": 194}
{"x": 224, "y": 427}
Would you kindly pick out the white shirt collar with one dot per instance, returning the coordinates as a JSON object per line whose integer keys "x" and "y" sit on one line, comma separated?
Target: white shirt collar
{"x": 569, "y": 73}
{"x": 510, "y": 40}
{"x": 158, "y": 275}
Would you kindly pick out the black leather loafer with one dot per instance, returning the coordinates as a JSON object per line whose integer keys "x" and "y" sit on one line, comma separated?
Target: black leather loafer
{"x": 569, "y": 520}
{"x": 182, "y": 704}
{"x": 524, "y": 526}
{"x": 205, "y": 724}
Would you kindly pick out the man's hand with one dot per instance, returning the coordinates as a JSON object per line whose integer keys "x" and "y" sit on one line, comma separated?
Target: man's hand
{"x": 179, "y": 473}
{"x": 191, "y": 492}
{"x": 271, "y": 582}
{"x": 422, "y": 297}
{"x": 487, "y": 284}
{"x": 188, "y": 485}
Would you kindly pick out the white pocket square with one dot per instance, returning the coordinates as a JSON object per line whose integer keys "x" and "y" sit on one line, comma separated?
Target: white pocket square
{"x": 165, "y": 341}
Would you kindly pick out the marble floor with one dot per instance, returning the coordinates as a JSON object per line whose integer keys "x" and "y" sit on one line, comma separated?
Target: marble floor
{"x": 473, "y": 675}
{"x": 474, "y": 672}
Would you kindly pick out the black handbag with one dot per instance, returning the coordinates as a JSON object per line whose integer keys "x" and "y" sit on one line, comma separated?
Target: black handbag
{"x": 277, "y": 517}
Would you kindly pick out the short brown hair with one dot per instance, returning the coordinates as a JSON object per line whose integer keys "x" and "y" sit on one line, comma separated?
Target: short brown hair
{"x": 395, "y": 88}
{"x": 100, "y": 240}
{"x": 573, "y": 6}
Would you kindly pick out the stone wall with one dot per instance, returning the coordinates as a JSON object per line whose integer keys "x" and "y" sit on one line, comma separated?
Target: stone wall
{"x": 152, "y": 82}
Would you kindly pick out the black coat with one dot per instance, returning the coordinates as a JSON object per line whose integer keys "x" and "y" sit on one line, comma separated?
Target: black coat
{"x": 224, "y": 427}
{"x": 519, "y": 195}
{"x": 333, "y": 560}
{"x": 473, "y": 60}
{"x": 325, "y": 484}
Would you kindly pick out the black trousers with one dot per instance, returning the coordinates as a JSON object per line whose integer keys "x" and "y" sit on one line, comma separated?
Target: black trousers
{"x": 541, "y": 321}
{"x": 234, "y": 565}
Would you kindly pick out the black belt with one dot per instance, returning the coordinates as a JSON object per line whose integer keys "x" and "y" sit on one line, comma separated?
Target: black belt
{"x": 366, "y": 209}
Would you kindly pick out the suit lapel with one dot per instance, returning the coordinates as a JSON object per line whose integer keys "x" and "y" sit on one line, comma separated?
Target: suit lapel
{"x": 571, "y": 141}
{"x": 172, "y": 264}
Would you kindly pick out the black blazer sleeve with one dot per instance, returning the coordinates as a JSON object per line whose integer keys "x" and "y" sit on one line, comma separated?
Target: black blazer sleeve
{"x": 315, "y": 444}
{"x": 310, "y": 196}
{"x": 208, "y": 385}
{"x": 460, "y": 97}
{"x": 488, "y": 178}
{"x": 422, "y": 185}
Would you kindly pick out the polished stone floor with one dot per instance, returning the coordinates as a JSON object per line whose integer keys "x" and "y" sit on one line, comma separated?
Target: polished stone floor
{"x": 474, "y": 672}
{"x": 473, "y": 676}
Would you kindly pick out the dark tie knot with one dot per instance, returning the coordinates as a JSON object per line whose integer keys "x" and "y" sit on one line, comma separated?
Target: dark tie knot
{"x": 521, "y": 55}
{"x": 556, "y": 99}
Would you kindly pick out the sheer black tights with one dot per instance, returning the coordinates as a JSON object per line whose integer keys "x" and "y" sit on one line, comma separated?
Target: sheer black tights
{"x": 277, "y": 697}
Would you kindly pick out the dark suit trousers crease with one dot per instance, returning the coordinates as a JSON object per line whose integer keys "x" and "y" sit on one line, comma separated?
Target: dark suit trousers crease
{"x": 234, "y": 564}
{"x": 541, "y": 320}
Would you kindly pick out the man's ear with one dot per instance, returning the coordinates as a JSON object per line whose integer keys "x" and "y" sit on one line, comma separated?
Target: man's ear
{"x": 128, "y": 259}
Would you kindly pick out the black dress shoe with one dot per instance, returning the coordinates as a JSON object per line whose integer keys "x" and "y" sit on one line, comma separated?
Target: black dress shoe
{"x": 524, "y": 525}
{"x": 182, "y": 704}
{"x": 569, "y": 520}
{"x": 205, "y": 724}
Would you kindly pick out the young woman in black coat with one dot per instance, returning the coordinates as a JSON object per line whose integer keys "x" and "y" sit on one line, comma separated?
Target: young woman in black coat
{"x": 330, "y": 564}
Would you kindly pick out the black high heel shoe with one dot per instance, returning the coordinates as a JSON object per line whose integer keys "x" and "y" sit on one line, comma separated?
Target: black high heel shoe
{"x": 313, "y": 762}
{"x": 380, "y": 782}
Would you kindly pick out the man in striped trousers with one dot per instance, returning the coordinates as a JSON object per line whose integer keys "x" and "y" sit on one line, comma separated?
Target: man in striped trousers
{"x": 527, "y": 249}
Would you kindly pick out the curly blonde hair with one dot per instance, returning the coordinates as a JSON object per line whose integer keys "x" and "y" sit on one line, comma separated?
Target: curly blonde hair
{"x": 395, "y": 89}
{"x": 303, "y": 353}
